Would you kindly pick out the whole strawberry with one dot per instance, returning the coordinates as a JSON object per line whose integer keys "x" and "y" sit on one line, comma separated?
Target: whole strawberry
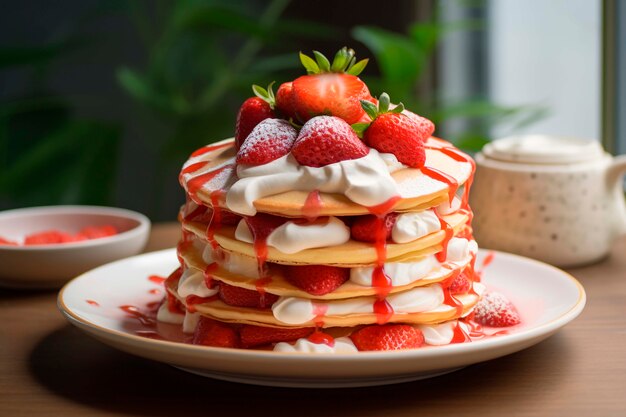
{"x": 253, "y": 111}
{"x": 316, "y": 279}
{"x": 325, "y": 140}
{"x": 392, "y": 131}
{"x": 495, "y": 310}
{"x": 268, "y": 141}
{"x": 330, "y": 89}
{"x": 387, "y": 337}
{"x": 284, "y": 101}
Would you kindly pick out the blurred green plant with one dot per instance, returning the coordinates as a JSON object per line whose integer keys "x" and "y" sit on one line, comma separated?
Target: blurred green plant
{"x": 48, "y": 155}
{"x": 403, "y": 59}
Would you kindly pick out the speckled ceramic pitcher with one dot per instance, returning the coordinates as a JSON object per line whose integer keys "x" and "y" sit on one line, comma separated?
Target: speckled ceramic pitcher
{"x": 556, "y": 199}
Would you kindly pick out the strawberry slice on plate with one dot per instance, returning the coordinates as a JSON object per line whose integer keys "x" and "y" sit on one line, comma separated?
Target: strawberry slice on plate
{"x": 213, "y": 333}
{"x": 387, "y": 337}
{"x": 252, "y": 336}
{"x": 495, "y": 310}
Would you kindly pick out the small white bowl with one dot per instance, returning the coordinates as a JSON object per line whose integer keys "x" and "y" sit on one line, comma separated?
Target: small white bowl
{"x": 49, "y": 266}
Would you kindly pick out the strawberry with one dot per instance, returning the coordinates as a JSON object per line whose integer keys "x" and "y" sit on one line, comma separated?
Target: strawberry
{"x": 253, "y": 111}
{"x": 47, "y": 237}
{"x": 324, "y": 140}
{"x": 367, "y": 228}
{"x": 94, "y": 232}
{"x": 387, "y": 337}
{"x": 495, "y": 310}
{"x": 214, "y": 333}
{"x": 316, "y": 279}
{"x": 263, "y": 224}
{"x": 284, "y": 101}
{"x": 257, "y": 335}
{"x": 268, "y": 141}
{"x": 460, "y": 284}
{"x": 241, "y": 297}
{"x": 330, "y": 89}
{"x": 393, "y": 131}
{"x": 7, "y": 242}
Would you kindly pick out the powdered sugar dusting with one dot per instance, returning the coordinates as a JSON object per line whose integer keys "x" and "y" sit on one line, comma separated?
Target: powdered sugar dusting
{"x": 495, "y": 310}
{"x": 269, "y": 140}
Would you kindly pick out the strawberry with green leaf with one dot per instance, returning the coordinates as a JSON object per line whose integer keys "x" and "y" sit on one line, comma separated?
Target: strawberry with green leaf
{"x": 396, "y": 131}
{"x": 253, "y": 111}
{"x": 332, "y": 89}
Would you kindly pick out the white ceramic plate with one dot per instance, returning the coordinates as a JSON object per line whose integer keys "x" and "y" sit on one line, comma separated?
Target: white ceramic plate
{"x": 546, "y": 297}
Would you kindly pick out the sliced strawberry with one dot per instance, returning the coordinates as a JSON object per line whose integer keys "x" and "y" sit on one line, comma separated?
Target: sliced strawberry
{"x": 252, "y": 112}
{"x": 329, "y": 94}
{"x": 316, "y": 279}
{"x": 366, "y": 228}
{"x": 397, "y": 131}
{"x": 7, "y": 242}
{"x": 46, "y": 238}
{"x": 241, "y": 297}
{"x": 460, "y": 284}
{"x": 495, "y": 310}
{"x": 330, "y": 89}
{"x": 261, "y": 225}
{"x": 387, "y": 337}
{"x": 257, "y": 335}
{"x": 95, "y": 232}
{"x": 214, "y": 333}
{"x": 268, "y": 141}
{"x": 284, "y": 101}
{"x": 326, "y": 140}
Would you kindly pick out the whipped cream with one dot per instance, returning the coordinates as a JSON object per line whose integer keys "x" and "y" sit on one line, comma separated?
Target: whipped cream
{"x": 412, "y": 226}
{"x": 240, "y": 265}
{"x": 400, "y": 273}
{"x": 292, "y": 237}
{"x": 460, "y": 248}
{"x": 293, "y": 310}
{"x": 341, "y": 345}
{"x": 448, "y": 207}
{"x": 366, "y": 181}
{"x": 192, "y": 283}
{"x": 190, "y": 322}
{"x": 438, "y": 334}
{"x": 166, "y": 316}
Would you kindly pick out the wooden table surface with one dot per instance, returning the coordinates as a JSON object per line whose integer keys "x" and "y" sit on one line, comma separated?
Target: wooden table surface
{"x": 48, "y": 367}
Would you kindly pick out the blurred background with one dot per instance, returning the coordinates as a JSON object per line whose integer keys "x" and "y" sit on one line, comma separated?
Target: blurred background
{"x": 101, "y": 101}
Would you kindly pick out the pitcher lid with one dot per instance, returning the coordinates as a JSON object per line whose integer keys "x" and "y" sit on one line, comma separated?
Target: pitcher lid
{"x": 543, "y": 149}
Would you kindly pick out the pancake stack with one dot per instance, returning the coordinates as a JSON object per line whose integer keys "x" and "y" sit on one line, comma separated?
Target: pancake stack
{"x": 365, "y": 253}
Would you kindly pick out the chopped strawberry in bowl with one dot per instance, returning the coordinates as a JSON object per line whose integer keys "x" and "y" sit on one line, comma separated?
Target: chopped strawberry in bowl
{"x": 42, "y": 247}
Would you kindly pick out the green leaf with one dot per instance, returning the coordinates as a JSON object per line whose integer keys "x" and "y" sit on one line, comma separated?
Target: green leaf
{"x": 360, "y": 128}
{"x": 370, "y": 108}
{"x": 383, "y": 103}
{"x": 358, "y": 68}
{"x": 310, "y": 65}
{"x": 322, "y": 61}
{"x": 141, "y": 89}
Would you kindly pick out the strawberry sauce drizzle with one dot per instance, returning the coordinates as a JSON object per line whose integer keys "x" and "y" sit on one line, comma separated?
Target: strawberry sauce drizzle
{"x": 195, "y": 184}
{"x": 459, "y": 335}
{"x": 441, "y": 176}
{"x": 216, "y": 221}
{"x": 260, "y": 285}
{"x": 448, "y": 298}
{"x": 319, "y": 311}
{"x": 312, "y": 206}
{"x": 136, "y": 313}
{"x": 192, "y": 300}
{"x": 157, "y": 279}
{"x": 206, "y": 149}
{"x": 320, "y": 338}
{"x": 92, "y": 303}
{"x": 449, "y": 234}
{"x": 208, "y": 274}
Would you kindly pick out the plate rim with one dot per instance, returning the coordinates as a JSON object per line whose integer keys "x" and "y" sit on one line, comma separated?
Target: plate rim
{"x": 545, "y": 329}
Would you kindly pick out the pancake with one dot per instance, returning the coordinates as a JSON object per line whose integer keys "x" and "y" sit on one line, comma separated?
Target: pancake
{"x": 209, "y": 174}
{"x": 264, "y": 317}
{"x": 349, "y": 254}
{"x": 275, "y": 282}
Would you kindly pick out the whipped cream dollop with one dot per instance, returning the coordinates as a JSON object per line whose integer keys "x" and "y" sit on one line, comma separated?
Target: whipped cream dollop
{"x": 190, "y": 322}
{"x": 192, "y": 283}
{"x": 449, "y": 207}
{"x": 460, "y": 248}
{"x": 341, "y": 345}
{"x": 292, "y": 237}
{"x": 400, "y": 273}
{"x": 238, "y": 264}
{"x": 439, "y": 334}
{"x": 366, "y": 181}
{"x": 412, "y": 226}
{"x": 294, "y": 310}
